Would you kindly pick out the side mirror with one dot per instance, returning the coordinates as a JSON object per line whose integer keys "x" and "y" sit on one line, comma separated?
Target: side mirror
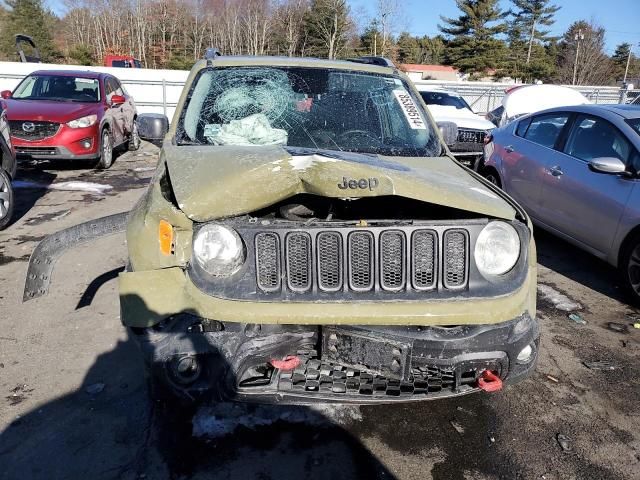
{"x": 449, "y": 132}
{"x": 117, "y": 100}
{"x": 610, "y": 165}
{"x": 152, "y": 127}
{"x": 6, "y": 94}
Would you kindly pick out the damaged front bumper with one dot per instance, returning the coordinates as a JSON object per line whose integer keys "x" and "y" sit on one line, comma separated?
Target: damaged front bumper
{"x": 203, "y": 347}
{"x": 198, "y": 359}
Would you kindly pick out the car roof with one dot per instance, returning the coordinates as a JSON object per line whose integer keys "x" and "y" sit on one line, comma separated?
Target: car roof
{"x": 70, "y": 73}
{"x": 309, "y": 62}
{"x": 433, "y": 88}
{"x": 603, "y": 110}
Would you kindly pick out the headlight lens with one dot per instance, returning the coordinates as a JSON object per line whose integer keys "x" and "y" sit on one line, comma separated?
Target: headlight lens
{"x": 497, "y": 248}
{"x": 218, "y": 250}
{"x": 83, "y": 122}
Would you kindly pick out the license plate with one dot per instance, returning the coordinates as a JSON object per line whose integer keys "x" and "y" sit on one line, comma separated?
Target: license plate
{"x": 389, "y": 357}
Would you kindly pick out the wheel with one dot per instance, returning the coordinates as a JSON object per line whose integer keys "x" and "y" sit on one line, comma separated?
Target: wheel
{"x": 134, "y": 138}
{"x": 630, "y": 268}
{"x": 6, "y": 199}
{"x": 106, "y": 150}
{"x": 491, "y": 175}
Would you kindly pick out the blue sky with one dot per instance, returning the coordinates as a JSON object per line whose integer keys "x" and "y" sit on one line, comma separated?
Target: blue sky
{"x": 621, "y": 18}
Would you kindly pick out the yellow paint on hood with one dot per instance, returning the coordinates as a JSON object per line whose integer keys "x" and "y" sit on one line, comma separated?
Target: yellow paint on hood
{"x": 212, "y": 182}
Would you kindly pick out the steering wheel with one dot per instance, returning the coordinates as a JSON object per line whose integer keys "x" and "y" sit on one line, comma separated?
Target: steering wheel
{"x": 359, "y": 137}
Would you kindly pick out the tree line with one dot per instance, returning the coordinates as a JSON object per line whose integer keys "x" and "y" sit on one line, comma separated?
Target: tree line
{"x": 482, "y": 40}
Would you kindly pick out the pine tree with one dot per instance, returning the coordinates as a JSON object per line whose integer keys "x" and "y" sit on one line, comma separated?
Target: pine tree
{"x": 28, "y": 17}
{"x": 530, "y": 18}
{"x": 326, "y": 26}
{"x": 473, "y": 45}
{"x": 620, "y": 57}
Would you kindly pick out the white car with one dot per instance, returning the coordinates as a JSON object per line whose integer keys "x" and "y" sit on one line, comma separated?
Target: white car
{"x": 525, "y": 99}
{"x": 448, "y": 106}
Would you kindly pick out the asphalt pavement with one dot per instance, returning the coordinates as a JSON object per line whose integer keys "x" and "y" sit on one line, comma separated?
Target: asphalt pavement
{"x": 74, "y": 404}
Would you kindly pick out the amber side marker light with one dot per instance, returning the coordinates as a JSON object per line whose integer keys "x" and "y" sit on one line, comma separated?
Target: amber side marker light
{"x": 165, "y": 236}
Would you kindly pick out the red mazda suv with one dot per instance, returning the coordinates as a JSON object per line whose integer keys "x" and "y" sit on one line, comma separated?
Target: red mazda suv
{"x": 71, "y": 115}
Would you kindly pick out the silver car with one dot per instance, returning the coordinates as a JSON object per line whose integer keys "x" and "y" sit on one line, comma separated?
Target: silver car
{"x": 576, "y": 172}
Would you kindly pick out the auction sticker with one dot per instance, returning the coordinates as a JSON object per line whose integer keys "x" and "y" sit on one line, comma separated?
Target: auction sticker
{"x": 410, "y": 110}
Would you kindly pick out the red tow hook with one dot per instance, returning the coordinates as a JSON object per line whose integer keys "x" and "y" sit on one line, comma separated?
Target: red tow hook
{"x": 489, "y": 381}
{"x": 289, "y": 363}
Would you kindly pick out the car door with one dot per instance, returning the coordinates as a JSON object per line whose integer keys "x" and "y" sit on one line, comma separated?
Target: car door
{"x": 580, "y": 203}
{"x": 115, "y": 112}
{"x": 128, "y": 108}
{"x": 524, "y": 154}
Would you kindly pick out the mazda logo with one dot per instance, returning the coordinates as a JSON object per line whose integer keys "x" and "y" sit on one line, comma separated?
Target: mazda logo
{"x": 28, "y": 127}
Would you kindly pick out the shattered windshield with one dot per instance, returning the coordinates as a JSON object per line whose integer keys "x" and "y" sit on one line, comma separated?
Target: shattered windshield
{"x": 306, "y": 107}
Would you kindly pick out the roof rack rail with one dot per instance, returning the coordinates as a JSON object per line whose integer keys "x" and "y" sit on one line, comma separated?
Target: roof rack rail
{"x": 371, "y": 60}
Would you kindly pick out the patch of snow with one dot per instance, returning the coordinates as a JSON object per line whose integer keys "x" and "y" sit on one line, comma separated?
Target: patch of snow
{"x": 302, "y": 162}
{"x": 276, "y": 169}
{"x": 144, "y": 169}
{"x": 224, "y": 418}
{"x": 90, "y": 187}
{"x": 559, "y": 300}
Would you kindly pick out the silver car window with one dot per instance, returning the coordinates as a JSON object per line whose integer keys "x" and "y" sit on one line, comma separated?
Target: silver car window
{"x": 594, "y": 137}
{"x": 545, "y": 129}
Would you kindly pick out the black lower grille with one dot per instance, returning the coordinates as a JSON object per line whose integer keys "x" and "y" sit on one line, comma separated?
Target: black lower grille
{"x": 27, "y": 130}
{"x": 40, "y": 151}
{"x": 315, "y": 376}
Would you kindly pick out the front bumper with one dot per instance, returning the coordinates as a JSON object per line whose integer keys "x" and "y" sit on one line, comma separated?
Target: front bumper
{"x": 67, "y": 143}
{"x": 233, "y": 360}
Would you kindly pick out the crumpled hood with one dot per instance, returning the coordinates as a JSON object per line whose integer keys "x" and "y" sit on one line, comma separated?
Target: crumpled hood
{"x": 460, "y": 116}
{"x": 217, "y": 182}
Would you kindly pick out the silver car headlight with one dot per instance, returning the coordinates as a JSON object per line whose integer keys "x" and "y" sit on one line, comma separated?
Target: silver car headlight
{"x": 218, "y": 250}
{"x": 497, "y": 249}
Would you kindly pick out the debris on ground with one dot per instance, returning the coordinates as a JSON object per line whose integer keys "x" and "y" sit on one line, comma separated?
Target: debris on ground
{"x": 600, "y": 365}
{"x": 94, "y": 389}
{"x": 577, "y": 319}
{"x": 553, "y": 379}
{"x": 564, "y": 442}
{"x": 618, "y": 327}
{"x": 19, "y": 394}
{"x": 559, "y": 300}
{"x": 636, "y": 325}
{"x": 458, "y": 428}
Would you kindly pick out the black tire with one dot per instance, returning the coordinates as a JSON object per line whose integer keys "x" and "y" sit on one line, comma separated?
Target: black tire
{"x": 6, "y": 199}
{"x": 492, "y": 175}
{"x": 134, "y": 138}
{"x": 630, "y": 268}
{"x": 106, "y": 150}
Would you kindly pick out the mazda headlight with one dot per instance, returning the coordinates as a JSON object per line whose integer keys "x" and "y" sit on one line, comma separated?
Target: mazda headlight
{"x": 497, "y": 249}
{"x": 83, "y": 122}
{"x": 218, "y": 250}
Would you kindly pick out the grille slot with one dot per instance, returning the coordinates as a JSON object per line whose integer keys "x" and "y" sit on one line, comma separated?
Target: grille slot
{"x": 470, "y": 136}
{"x": 298, "y": 246}
{"x": 268, "y": 261}
{"x": 423, "y": 259}
{"x": 392, "y": 260}
{"x": 455, "y": 258}
{"x": 361, "y": 256}
{"x": 36, "y": 130}
{"x": 330, "y": 260}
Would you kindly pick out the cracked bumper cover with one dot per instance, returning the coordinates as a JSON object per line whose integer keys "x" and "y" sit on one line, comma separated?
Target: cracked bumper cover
{"x": 166, "y": 314}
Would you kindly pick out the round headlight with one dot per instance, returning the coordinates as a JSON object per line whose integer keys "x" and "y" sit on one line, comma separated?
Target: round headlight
{"x": 218, "y": 250}
{"x": 497, "y": 248}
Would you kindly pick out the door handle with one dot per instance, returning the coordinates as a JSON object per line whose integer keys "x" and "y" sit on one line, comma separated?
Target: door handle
{"x": 509, "y": 149}
{"x": 556, "y": 171}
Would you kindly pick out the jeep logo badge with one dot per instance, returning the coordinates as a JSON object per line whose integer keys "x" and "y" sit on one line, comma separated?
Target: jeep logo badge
{"x": 28, "y": 127}
{"x": 354, "y": 184}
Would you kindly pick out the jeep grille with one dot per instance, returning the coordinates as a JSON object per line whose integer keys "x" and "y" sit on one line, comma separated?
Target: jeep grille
{"x": 362, "y": 260}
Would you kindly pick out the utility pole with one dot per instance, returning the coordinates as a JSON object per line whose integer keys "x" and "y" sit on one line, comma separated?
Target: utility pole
{"x": 626, "y": 69}
{"x": 578, "y": 37}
